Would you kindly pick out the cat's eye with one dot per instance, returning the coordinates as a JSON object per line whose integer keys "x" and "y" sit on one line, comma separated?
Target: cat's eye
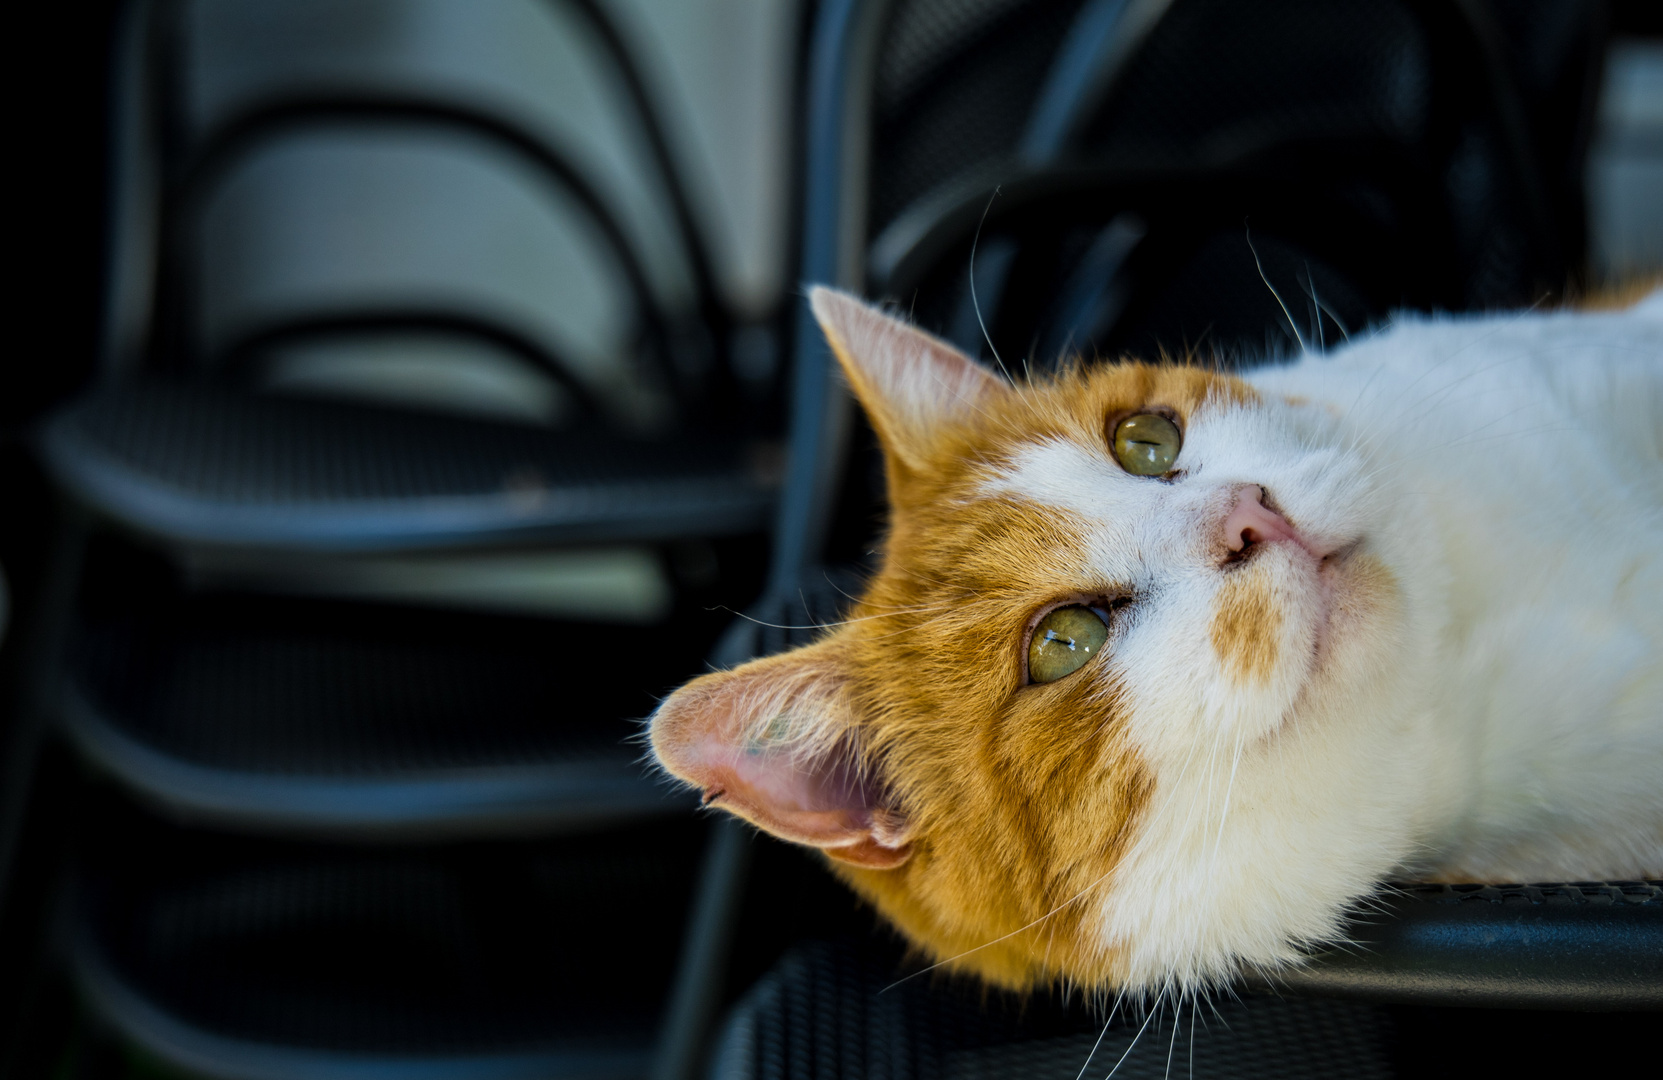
{"x": 1147, "y": 444}
{"x": 1063, "y": 641}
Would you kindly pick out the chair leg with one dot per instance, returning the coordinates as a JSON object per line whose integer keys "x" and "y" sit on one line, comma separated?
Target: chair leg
{"x": 706, "y": 947}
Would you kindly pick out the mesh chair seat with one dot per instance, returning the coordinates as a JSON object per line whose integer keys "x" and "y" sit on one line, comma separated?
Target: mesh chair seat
{"x": 847, "y": 1011}
{"x": 238, "y": 957}
{"x": 834, "y": 1011}
{"x": 283, "y": 714}
{"x": 210, "y": 464}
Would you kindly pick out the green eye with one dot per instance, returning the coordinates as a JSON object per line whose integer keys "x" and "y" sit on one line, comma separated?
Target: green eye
{"x": 1147, "y": 444}
{"x": 1063, "y": 641}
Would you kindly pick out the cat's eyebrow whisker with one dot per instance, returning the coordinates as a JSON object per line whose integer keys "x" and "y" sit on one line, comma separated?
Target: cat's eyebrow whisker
{"x": 1279, "y": 302}
{"x": 1323, "y": 309}
{"x": 1067, "y": 346}
{"x": 892, "y": 613}
{"x": 1311, "y": 288}
{"x": 901, "y": 608}
{"x": 974, "y": 302}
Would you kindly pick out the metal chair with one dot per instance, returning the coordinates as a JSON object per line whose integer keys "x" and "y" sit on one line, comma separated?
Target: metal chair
{"x": 185, "y": 452}
{"x": 300, "y": 801}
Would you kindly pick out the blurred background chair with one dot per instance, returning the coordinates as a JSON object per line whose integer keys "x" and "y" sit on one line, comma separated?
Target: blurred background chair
{"x": 436, "y": 413}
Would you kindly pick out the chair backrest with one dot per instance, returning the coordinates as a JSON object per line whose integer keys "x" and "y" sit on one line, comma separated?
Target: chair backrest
{"x": 306, "y": 188}
{"x": 1160, "y": 162}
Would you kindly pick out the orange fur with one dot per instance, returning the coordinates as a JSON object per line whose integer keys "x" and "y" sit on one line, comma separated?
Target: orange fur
{"x": 1244, "y": 627}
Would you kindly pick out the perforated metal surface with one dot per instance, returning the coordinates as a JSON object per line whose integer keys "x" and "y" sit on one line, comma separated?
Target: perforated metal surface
{"x": 955, "y": 85}
{"x": 1219, "y": 80}
{"x": 1388, "y": 118}
{"x": 337, "y": 715}
{"x": 339, "y": 699}
{"x": 835, "y": 1012}
{"x": 264, "y": 948}
{"x": 1595, "y": 894}
{"x": 213, "y": 464}
{"x": 1578, "y": 945}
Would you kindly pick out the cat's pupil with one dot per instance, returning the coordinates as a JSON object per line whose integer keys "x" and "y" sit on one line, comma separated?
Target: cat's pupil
{"x": 1147, "y": 444}
{"x": 1063, "y": 641}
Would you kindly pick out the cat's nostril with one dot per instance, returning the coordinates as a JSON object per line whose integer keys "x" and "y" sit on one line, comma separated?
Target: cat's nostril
{"x": 1250, "y": 521}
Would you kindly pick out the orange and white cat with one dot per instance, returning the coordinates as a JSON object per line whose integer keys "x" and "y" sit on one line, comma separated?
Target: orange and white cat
{"x": 1164, "y": 668}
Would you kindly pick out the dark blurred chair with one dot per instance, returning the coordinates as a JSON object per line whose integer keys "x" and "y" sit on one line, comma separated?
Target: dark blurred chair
{"x": 272, "y": 878}
{"x": 1234, "y": 182}
{"x": 188, "y": 451}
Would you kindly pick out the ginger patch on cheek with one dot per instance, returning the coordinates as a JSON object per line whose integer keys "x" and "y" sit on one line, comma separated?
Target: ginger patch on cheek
{"x": 1245, "y": 626}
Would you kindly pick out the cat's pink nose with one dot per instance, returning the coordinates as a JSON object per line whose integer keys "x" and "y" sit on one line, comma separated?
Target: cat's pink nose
{"x": 1252, "y": 522}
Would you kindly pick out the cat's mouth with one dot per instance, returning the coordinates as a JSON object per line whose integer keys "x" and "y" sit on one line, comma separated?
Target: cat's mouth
{"x": 1337, "y": 557}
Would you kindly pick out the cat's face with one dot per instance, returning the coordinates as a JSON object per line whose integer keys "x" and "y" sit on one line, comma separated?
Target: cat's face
{"x": 1053, "y": 734}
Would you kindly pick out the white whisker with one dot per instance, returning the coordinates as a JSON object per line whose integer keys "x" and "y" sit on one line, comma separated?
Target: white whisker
{"x": 1133, "y": 1044}
{"x": 1285, "y": 312}
{"x": 974, "y": 302}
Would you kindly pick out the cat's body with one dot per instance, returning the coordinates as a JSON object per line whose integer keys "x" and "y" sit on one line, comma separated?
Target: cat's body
{"x": 1398, "y": 611}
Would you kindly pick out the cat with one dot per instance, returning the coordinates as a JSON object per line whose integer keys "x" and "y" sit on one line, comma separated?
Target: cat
{"x": 1164, "y": 668}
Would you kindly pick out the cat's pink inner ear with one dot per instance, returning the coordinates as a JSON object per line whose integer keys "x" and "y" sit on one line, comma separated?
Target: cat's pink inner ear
{"x": 771, "y": 742}
{"x": 909, "y": 381}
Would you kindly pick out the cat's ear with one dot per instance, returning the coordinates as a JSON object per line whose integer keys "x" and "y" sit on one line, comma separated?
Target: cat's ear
{"x": 909, "y": 381}
{"x": 772, "y": 741}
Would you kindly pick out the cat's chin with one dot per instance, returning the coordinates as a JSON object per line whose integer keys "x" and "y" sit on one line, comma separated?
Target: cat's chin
{"x": 1356, "y": 602}
{"x": 1333, "y": 592}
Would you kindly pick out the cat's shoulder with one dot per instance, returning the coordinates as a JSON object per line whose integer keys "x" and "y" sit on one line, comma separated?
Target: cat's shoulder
{"x": 1565, "y": 334}
{"x": 1551, "y": 351}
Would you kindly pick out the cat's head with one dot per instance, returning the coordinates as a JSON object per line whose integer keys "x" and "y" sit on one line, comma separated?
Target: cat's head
{"x": 1091, "y": 714}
